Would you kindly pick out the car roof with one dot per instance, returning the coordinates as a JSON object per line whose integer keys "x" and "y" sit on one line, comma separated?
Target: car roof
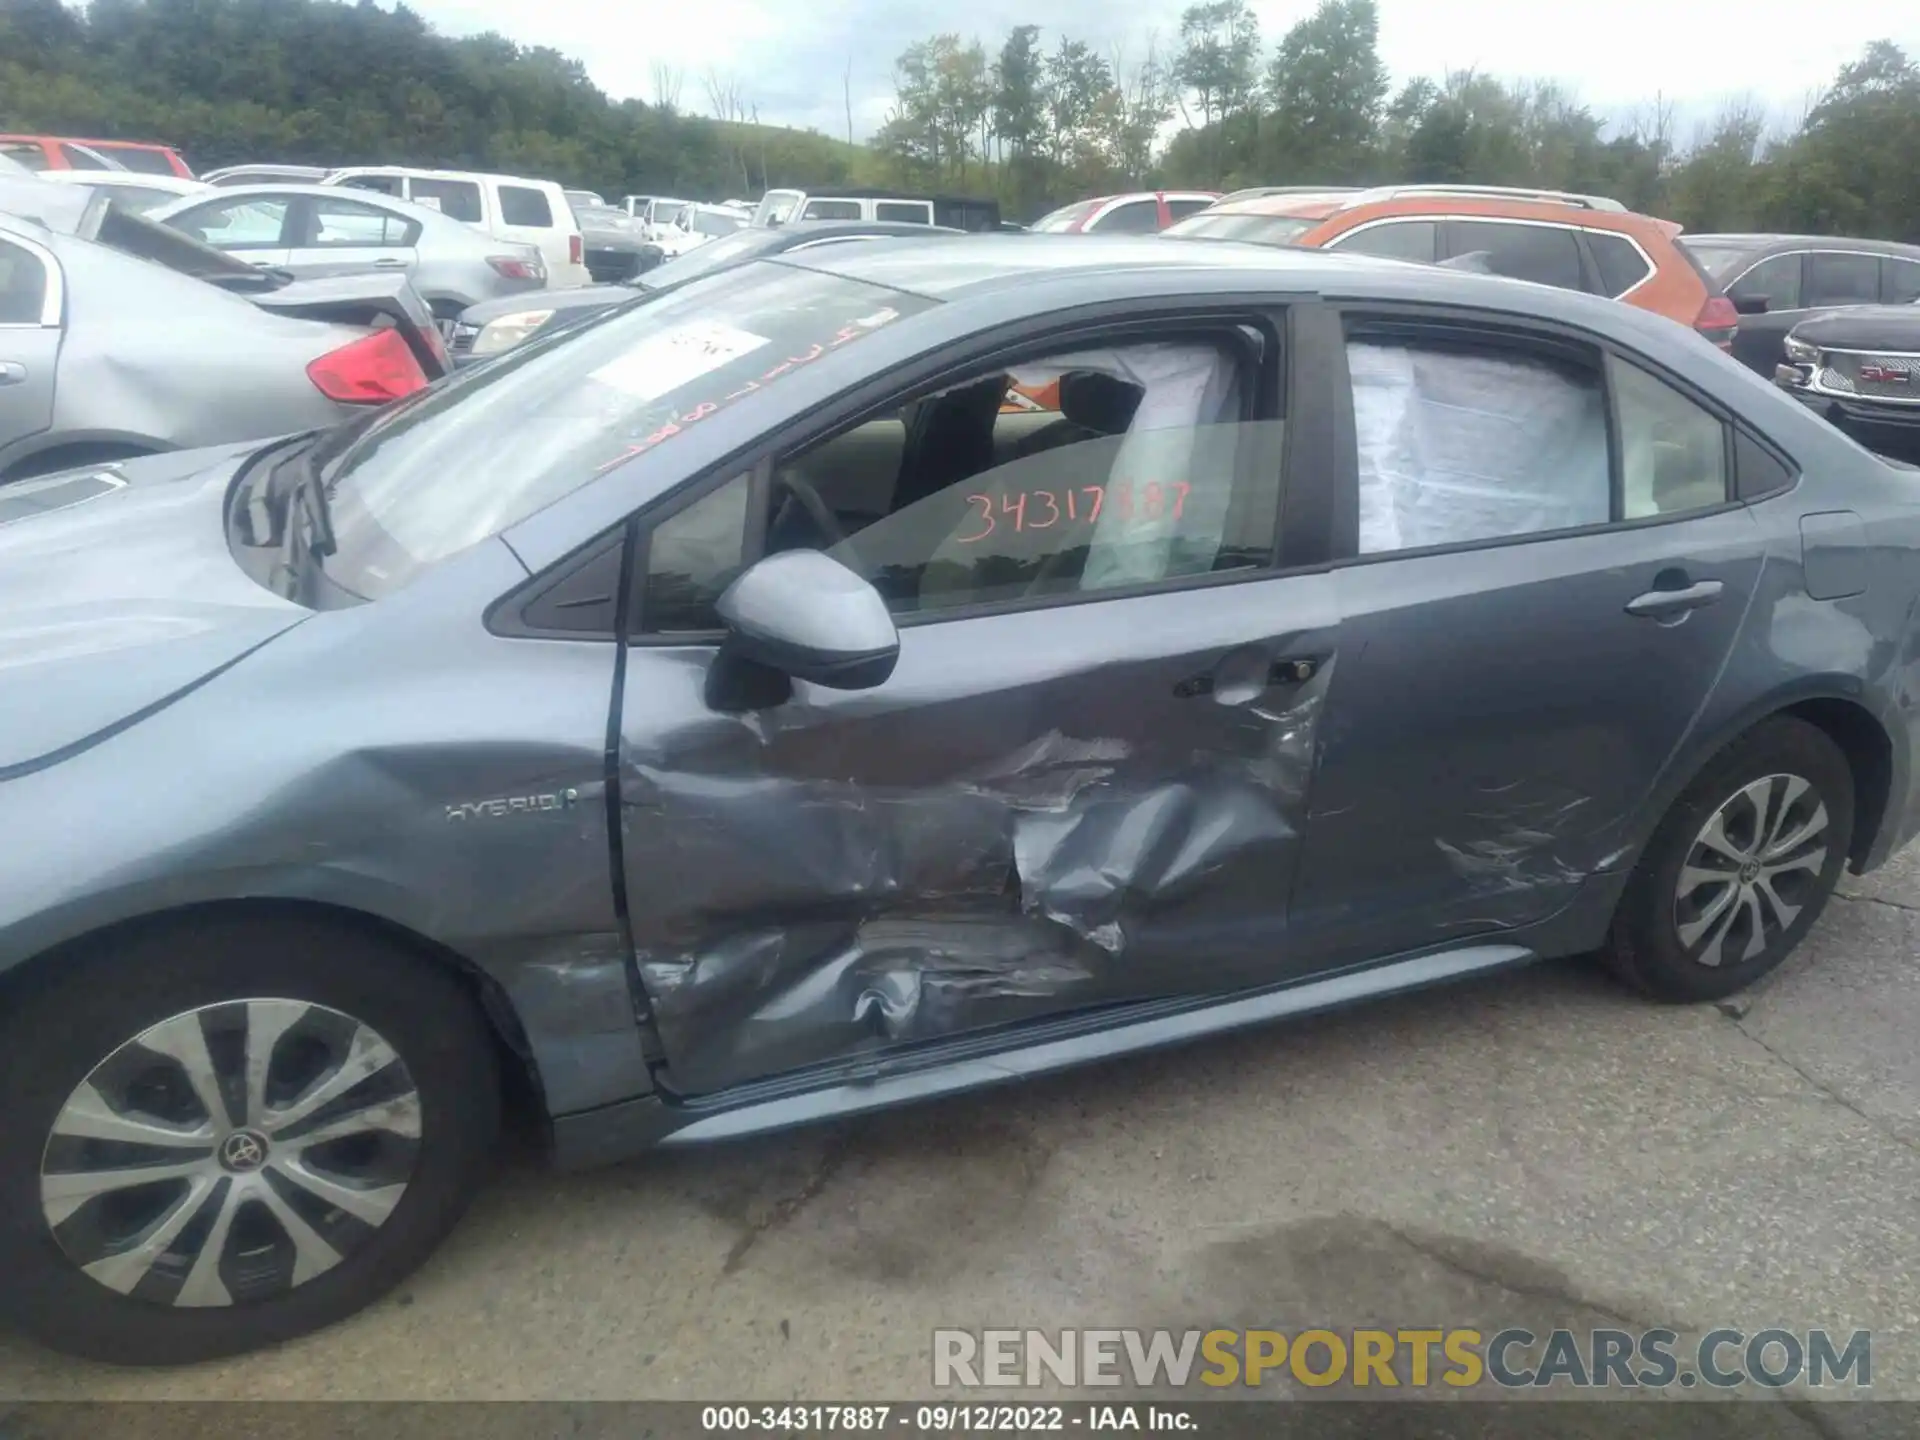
{"x": 376, "y": 198}
{"x": 1413, "y": 201}
{"x": 434, "y": 174}
{"x": 1756, "y": 241}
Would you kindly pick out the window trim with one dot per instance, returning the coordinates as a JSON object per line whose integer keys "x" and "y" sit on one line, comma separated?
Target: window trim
{"x": 1589, "y": 277}
{"x": 53, "y": 298}
{"x": 1524, "y": 328}
{"x": 1308, "y": 440}
{"x": 1335, "y": 244}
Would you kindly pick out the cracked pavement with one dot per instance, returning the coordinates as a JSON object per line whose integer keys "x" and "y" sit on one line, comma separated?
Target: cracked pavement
{"x": 1535, "y": 1149}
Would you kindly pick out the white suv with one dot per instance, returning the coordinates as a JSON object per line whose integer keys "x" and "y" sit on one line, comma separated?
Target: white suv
{"x": 507, "y": 207}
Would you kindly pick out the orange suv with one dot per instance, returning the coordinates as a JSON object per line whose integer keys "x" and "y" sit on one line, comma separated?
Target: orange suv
{"x": 1552, "y": 237}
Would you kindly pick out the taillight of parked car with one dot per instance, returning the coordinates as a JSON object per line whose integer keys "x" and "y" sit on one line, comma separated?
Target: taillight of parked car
{"x": 576, "y": 250}
{"x": 514, "y": 268}
{"x": 1718, "y": 320}
{"x": 371, "y": 371}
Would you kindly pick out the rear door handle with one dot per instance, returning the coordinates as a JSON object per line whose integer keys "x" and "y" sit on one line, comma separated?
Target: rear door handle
{"x": 1664, "y": 604}
{"x": 1242, "y": 676}
{"x": 388, "y": 262}
{"x": 12, "y": 372}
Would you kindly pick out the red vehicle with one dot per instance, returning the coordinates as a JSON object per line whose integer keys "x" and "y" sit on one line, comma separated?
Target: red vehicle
{"x": 1145, "y": 212}
{"x": 65, "y": 152}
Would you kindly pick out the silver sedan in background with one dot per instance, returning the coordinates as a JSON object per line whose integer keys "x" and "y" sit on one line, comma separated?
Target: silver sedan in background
{"x": 119, "y": 337}
{"x": 315, "y": 230}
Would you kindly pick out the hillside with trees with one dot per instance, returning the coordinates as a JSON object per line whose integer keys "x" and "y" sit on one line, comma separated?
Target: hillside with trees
{"x": 1037, "y": 120}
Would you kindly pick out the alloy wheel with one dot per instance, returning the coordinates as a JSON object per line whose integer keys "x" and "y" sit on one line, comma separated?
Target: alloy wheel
{"x": 231, "y": 1153}
{"x": 1751, "y": 870}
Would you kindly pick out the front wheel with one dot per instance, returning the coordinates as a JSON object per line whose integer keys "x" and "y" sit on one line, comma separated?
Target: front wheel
{"x": 229, "y": 1133}
{"x": 1739, "y": 869}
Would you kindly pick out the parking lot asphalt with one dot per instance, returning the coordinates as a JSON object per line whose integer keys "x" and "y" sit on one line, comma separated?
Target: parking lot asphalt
{"x": 1537, "y": 1149}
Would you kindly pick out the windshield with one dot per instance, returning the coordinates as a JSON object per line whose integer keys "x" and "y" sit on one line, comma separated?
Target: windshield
{"x": 422, "y": 481}
{"x": 665, "y": 212}
{"x": 776, "y": 207}
{"x": 1716, "y": 260}
{"x": 1266, "y": 229}
{"x": 714, "y": 255}
{"x": 1065, "y": 216}
{"x": 716, "y": 222}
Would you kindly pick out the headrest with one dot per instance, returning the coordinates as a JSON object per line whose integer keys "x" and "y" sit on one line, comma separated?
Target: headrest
{"x": 1099, "y": 402}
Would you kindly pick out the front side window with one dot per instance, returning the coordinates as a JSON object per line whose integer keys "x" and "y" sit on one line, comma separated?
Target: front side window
{"x": 422, "y": 480}
{"x": 1775, "y": 281}
{"x": 1673, "y": 454}
{"x": 1836, "y": 278}
{"x": 346, "y": 222}
{"x": 1900, "y": 280}
{"x": 1136, "y": 217}
{"x": 456, "y": 199}
{"x": 1149, "y": 472}
{"x": 1544, "y": 254}
{"x": 23, "y": 286}
{"x": 1459, "y": 443}
{"x": 253, "y": 223}
{"x": 522, "y": 205}
{"x": 1066, "y": 217}
{"x": 1395, "y": 240}
{"x": 1191, "y": 205}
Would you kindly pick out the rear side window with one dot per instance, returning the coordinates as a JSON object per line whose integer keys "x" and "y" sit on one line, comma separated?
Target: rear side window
{"x": 78, "y": 158}
{"x": 1673, "y": 454}
{"x": 1136, "y": 217}
{"x": 1181, "y": 208}
{"x": 345, "y": 222}
{"x": 1619, "y": 261}
{"x": 23, "y": 286}
{"x": 456, "y": 199}
{"x": 25, "y": 152}
{"x": 1835, "y": 278}
{"x": 1544, "y": 254}
{"x": 1776, "y": 281}
{"x": 137, "y": 158}
{"x": 1396, "y": 240}
{"x": 909, "y": 212}
{"x": 1464, "y": 443}
{"x": 831, "y": 210}
{"x": 1899, "y": 281}
{"x": 521, "y": 205}
{"x": 253, "y": 222}
{"x": 1757, "y": 470}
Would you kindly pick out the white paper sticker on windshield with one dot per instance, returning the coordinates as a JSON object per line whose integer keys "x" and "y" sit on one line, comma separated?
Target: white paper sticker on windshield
{"x": 663, "y": 363}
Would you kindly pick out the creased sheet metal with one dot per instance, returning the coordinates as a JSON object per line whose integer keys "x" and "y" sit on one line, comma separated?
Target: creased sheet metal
{"x": 785, "y": 921}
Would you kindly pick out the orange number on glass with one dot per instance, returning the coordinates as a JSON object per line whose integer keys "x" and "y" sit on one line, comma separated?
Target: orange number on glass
{"x": 1099, "y": 494}
{"x": 1151, "y": 500}
{"x": 1180, "y": 491}
{"x": 986, "y": 514}
{"x": 1018, "y": 509}
{"x": 1053, "y": 509}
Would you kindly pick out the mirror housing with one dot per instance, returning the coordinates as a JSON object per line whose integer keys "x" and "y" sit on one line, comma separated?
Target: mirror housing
{"x": 1751, "y": 304}
{"x": 806, "y": 616}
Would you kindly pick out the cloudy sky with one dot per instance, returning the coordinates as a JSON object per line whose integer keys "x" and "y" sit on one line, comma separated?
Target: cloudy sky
{"x": 790, "y": 56}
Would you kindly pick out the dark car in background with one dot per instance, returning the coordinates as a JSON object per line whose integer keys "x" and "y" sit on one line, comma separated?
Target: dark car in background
{"x": 496, "y": 326}
{"x": 1860, "y": 368}
{"x": 1778, "y": 281}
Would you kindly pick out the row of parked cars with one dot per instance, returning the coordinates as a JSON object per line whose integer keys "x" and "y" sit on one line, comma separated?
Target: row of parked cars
{"x": 854, "y": 662}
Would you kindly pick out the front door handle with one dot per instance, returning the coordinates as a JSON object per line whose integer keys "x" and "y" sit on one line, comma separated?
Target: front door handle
{"x": 12, "y": 372}
{"x": 1244, "y": 675}
{"x": 1672, "y": 604}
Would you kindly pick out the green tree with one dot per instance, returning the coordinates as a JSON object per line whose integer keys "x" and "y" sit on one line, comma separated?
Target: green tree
{"x": 1327, "y": 87}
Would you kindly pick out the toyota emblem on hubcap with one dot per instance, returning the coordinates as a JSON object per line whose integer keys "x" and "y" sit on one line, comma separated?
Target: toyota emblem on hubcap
{"x": 243, "y": 1152}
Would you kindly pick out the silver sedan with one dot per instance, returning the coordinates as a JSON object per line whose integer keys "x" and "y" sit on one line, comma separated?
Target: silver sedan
{"x": 315, "y": 230}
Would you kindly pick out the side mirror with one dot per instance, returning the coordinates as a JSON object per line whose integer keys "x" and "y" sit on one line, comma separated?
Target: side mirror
{"x": 806, "y": 616}
{"x": 1751, "y": 304}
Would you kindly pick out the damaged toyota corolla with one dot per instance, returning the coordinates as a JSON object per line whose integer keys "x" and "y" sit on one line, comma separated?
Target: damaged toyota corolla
{"x": 731, "y": 713}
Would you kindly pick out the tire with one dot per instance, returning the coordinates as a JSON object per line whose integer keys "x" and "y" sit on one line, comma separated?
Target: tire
{"x": 326, "y": 997}
{"x": 1699, "y": 945}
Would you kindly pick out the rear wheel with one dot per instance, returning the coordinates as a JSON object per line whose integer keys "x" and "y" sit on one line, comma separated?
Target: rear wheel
{"x": 231, "y": 1133}
{"x": 1740, "y": 869}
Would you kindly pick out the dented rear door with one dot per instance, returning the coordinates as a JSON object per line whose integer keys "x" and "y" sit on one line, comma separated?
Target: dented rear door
{"x": 1038, "y": 813}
